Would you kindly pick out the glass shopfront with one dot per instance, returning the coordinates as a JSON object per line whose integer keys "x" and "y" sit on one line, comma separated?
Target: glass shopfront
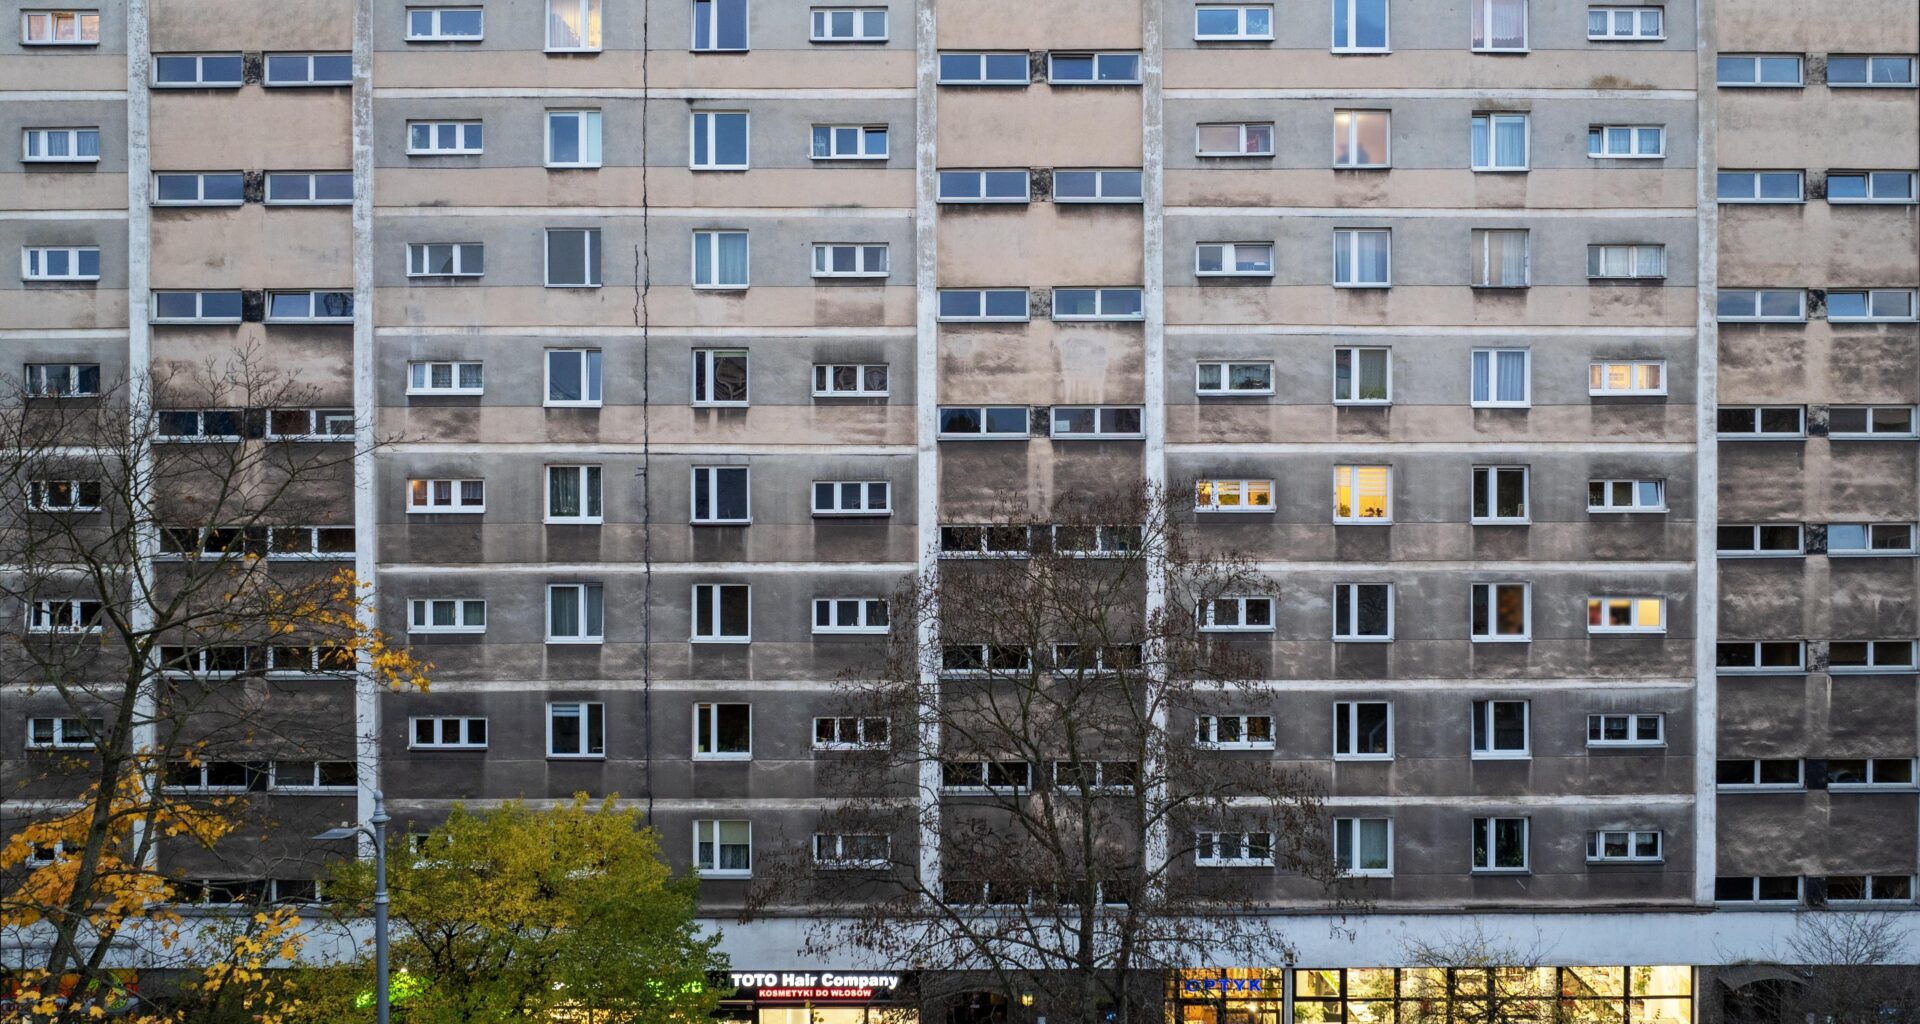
{"x": 1227, "y": 995}
{"x": 1498, "y": 995}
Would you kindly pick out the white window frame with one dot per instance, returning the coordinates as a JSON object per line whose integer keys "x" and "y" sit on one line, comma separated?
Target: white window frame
{"x": 1210, "y": 624}
{"x": 1872, "y": 297}
{"x": 1489, "y": 594}
{"x": 438, "y": 35}
{"x": 1759, "y": 196}
{"x": 1348, "y": 594}
{"x": 1099, "y": 58}
{"x": 420, "y": 615}
{"x": 1872, "y": 781}
{"x": 1598, "y": 722}
{"x": 312, "y": 188}
{"x": 1351, "y": 139}
{"x": 1756, "y": 651}
{"x": 1482, "y": 272}
{"x": 588, "y": 126}
{"x": 860, "y": 740}
{"x": 1597, "y": 846}
{"x": 705, "y": 378}
{"x": 824, "y": 377}
{"x": 709, "y": 160}
{"x": 1875, "y": 647}
{"x": 1354, "y": 354}
{"x": 461, "y": 137}
{"x": 463, "y": 731}
{"x": 1634, "y": 150}
{"x": 978, "y": 194}
{"x": 1207, "y": 850}
{"x": 713, "y": 237}
{"x": 1229, "y": 256}
{"x": 984, "y": 433}
{"x": 1636, "y": 609}
{"x": 200, "y": 188}
{"x": 1135, "y": 309}
{"x": 1601, "y": 371}
{"x": 1481, "y": 14}
{"x": 711, "y": 487}
{"x": 1754, "y": 534}
{"x": 1246, "y": 130}
{"x": 78, "y": 18}
{"x": 1101, "y": 193}
{"x": 1869, "y": 895}
{"x": 591, "y": 481}
{"x": 66, "y": 616}
{"x": 711, "y": 16}
{"x": 1352, "y": 481}
{"x": 1210, "y": 494}
{"x": 1868, "y": 529}
{"x": 1026, "y": 68}
{"x": 1346, "y": 741}
{"x": 456, "y": 502}
{"x": 863, "y": 255}
{"x": 309, "y": 61}
{"x": 862, "y": 134}
{"x": 590, "y": 256}
{"x": 1483, "y": 719}
{"x": 830, "y": 851}
{"x": 820, "y": 25}
{"x": 33, "y": 262}
{"x": 315, "y": 313}
{"x": 1101, "y": 426}
{"x": 984, "y": 317}
{"x": 1487, "y": 829}
{"x": 1759, "y": 433}
{"x": 61, "y": 740}
{"x": 35, "y": 379}
{"x": 1223, "y": 369}
{"x": 591, "y": 28}
{"x": 420, "y": 259}
{"x": 590, "y": 632}
{"x": 1352, "y": 27}
{"x": 28, "y": 137}
{"x": 1243, "y": 16}
{"x": 200, "y": 79}
{"x": 586, "y": 712}
{"x": 1634, "y": 16}
{"x": 1871, "y": 59}
{"x": 1348, "y": 830}
{"x": 40, "y": 490}
{"x": 420, "y": 377}
{"x": 1349, "y": 239}
{"x": 864, "y": 609}
{"x": 706, "y": 718}
{"x": 714, "y": 596}
{"x": 1207, "y": 732}
{"x": 1753, "y": 63}
{"x": 1597, "y": 261}
{"x": 1486, "y": 493}
{"x": 592, "y": 370}
{"x": 1493, "y": 119}
{"x": 1753, "y": 783}
{"x": 1492, "y": 362}
{"x": 1869, "y": 182}
{"x": 836, "y": 493}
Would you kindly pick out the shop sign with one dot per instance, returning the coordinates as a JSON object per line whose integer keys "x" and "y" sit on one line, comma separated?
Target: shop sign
{"x": 1231, "y": 986}
{"x": 814, "y": 986}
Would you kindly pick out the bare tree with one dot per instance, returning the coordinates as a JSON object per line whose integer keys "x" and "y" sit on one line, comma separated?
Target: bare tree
{"x": 1048, "y": 788}
{"x": 1833, "y": 968}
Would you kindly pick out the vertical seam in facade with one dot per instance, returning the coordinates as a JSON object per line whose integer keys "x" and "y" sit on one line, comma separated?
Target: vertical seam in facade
{"x": 366, "y": 705}
{"x": 1153, "y": 360}
{"x": 140, "y": 349}
{"x": 926, "y": 409}
{"x": 1706, "y": 622}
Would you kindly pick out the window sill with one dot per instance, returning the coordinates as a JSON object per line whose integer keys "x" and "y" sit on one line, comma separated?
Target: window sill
{"x": 1215, "y": 510}
{"x": 715, "y": 873}
{"x": 1626, "y": 632}
{"x": 730, "y": 641}
{"x": 1378, "y": 758}
{"x": 569, "y": 405}
{"x": 1624, "y": 861}
{"x": 881, "y": 513}
{"x": 446, "y": 511}
{"x": 584, "y": 287}
{"x": 160, "y": 204}
{"x": 1206, "y": 275}
{"x": 1626, "y": 745}
{"x": 447, "y": 393}
{"x": 1261, "y": 393}
{"x": 59, "y": 159}
{"x": 1495, "y": 51}
{"x": 447, "y": 746}
{"x": 1368, "y": 873}
{"x": 1483, "y": 521}
{"x": 572, "y": 49}
{"x": 1360, "y": 51}
{"x": 1501, "y": 170}
{"x": 722, "y": 522}
{"x": 1872, "y": 787}
{"x": 1363, "y": 167}
{"x": 1362, "y": 639}
{"x": 1830, "y": 201}
{"x": 1502, "y": 755}
{"x": 1364, "y": 286}
{"x": 818, "y": 631}
{"x": 469, "y": 631}
{"x": 1236, "y": 629}
{"x": 1500, "y": 405}
{"x": 1363, "y": 522}
{"x": 1503, "y": 639}
{"x": 576, "y": 757}
{"x": 565, "y": 641}
{"x": 1502, "y": 871}
{"x": 1235, "y": 156}
{"x": 573, "y": 522}
{"x": 1626, "y": 39}
{"x": 737, "y": 758}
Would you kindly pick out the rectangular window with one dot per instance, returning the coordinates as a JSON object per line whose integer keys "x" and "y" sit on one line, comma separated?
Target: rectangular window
{"x": 850, "y": 381}
{"x": 1623, "y": 847}
{"x": 1757, "y": 71}
{"x": 198, "y": 71}
{"x": 1869, "y": 888}
{"x": 573, "y": 138}
{"x": 1096, "y": 422}
{"x": 986, "y": 776}
{"x": 576, "y": 729}
{"x": 1362, "y": 257}
{"x": 447, "y": 615}
{"x": 1218, "y": 22}
{"x": 720, "y": 495}
{"x": 984, "y": 69}
{"x": 1096, "y": 186}
{"x": 849, "y": 142}
{"x": 1093, "y": 68}
{"x": 1499, "y": 259}
{"x": 1762, "y": 186}
{"x": 1216, "y": 495}
{"x": 1858, "y": 539}
{"x": 722, "y": 613}
{"x": 65, "y": 733}
{"x": 1770, "y": 773}
{"x": 205, "y": 424}
{"x": 573, "y": 258}
{"x": 719, "y": 377}
{"x": 310, "y": 307}
{"x": 435, "y": 138}
{"x": 845, "y": 851}
{"x": 1097, "y": 304}
{"x": 573, "y": 494}
{"x": 852, "y": 498}
{"x": 1233, "y": 259}
{"x": 1363, "y": 612}
{"x": 1500, "y": 142}
{"x": 311, "y": 775}
{"x": 1761, "y": 540}
{"x": 445, "y": 24}
{"x": 1626, "y": 261}
{"x": 59, "y": 28}
{"x": 309, "y": 69}
{"x": 60, "y": 263}
{"x": 1499, "y": 494}
{"x": 1500, "y": 729}
{"x": 1238, "y": 615}
{"x": 1363, "y": 494}
{"x": 965, "y": 422}
{"x": 1359, "y": 26}
{"x": 1501, "y": 613}
{"x": 60, "y": 145}
{"x": 1766, "y": 422}
{"x": 1075, "y": 777}
{"x": 1361, "y": 139}
{"x": 66, "y": 616}
{"x": 850, "y": 733}
{"x": 1363, "y": 847}
{"x": 1864, "y": 72}
{"x": 1626, "y": 615}
{"x": 1626, "y": 730}
{"x": 1626, "y": 24}
{"x": 1242, "y": 138}
{"x": 1362, "y": 730}
{"x": 1627, "y": 142}
{"x": 1226, "y": 378}
{"x": 575, "y": 613}
{"x": 446, "y": 496}
{"x": 209, "y": 188}
{"x": 62, "y": 380}
{"x": 719, "y": 26}
{"x": 722, "y": 732}
{"x": 1501, "y": 378}
{"x": 573, "y": 26}
{"x": 1626, "y": 496}
{"x": 310, "y": 542}
{"x": 446, "y": 259}
{"x": 719, "y": 140}
{"x": 1500, "y": 844}
{"x": 1870, "y": 656}
{"x": 850, "y": 615}
{"x": 849, "y": 25}
{"x": 1755, "y": 657}
{"x": 983, "y": 304}
{"x": 447, "y": 733}
{"x": 985, "y": 542}
{"x": 1870, "y": 187}
{"x": 1756, "y": 889}
{"x": 1880, "y": 305}
{"x": 848, "y": 259}
{"x": 309, "y": 188}
{"x": 720, "y": 260}
{"x": 1233, "y": 849}
{"x": 982, "y": 186}
{"x": 1233, "y": 732}
{"x": 1362, "y": 376}
{"x": 1499, "y": 25}
{"x": 1627, "y": 377}
{"x": 1874, "y": 772}
{"x": 573, "y": 377}
{"x": 64, "y": 495}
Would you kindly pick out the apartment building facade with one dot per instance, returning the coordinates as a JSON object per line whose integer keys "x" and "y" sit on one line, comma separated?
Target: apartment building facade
{"x": 1555, "y": 360}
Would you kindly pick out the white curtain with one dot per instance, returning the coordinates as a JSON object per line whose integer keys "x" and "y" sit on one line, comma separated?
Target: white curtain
{"x": 1507, "y": 20}
{"x": 733, "y": 258}
{"x": 1513, "y": 375}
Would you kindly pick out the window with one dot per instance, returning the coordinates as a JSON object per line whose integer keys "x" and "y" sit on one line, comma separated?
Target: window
{"x": 851, "y": 850}
{"x": 719, "y": 377}
{"x": 1874, "y": 772}
{"x": 573, "y": 25}
{"x": 720, "y": 495}
{"x": 1627, "y": 377}
{"x": 1233, "y": 378}
{"x": 1218, "y": 495}
{"x": 573, "y": 377}
{"x": 1212, "y": 23}
{"x": 309, "y": 307}
{"x": 309, "y": 188}
{"x": 1233, "y": 849}
{"x": 297, "y": 69}
{"x": 1627, "y": 141}
{"x": 573, "y": 494}
{"x": 1760, "y": 889}
{"x": 1870, "y": 186}
{"x": 1626, "y": 261}
{"x": 446, "y": 496}
{"x": 962, "y": 304}
{"x": 1501, "y": 612}
{"x": 1363, "y": 846}
{"x": 1500, "y": 844}
{"x": 722, "y": 613}
{"x": 1096, "y": 186}
{"x": 219, "y": 188}
{"x": 1363, "y": 494}
{"x": 847, "y": 259}
{"x": 1766, "y": 422}
{"x": 1005, "y": 186}
{"x": 576, "y": 729}
{"x": 60, "y": 145}
{"x": 198, "y": 71}
{"x": 1233, "y": 732}
{"x": 206, "y": 424}
{"x": 1071, "y": 777}
{"x": 1623, "y": 847}
{"x": 719, "y": 141}
{"x": 1096, "y": 304}
{"x": 1360, "y": 139}
{"x": 722, "y": 732}
{"x": 1869, "y": 888}
{"x": 1877, "y": 304}
{"x": 1626, "y": 730}
{"x": 1500, "y": 378}
{"x": 1362, "y": 730}
{"x": 1857, "y": 539}
{"x": 434, "y": 138}
{"x": 66, "y": 616}
{"x": 719, "y": 25}
{"x": 1238, "y": 615}
{"x": 1234, "y": 139}
{"x": 62, "y": 380}
{"x": 1233, "y": 259}
{"x": 573, "y": 138}
{"x": 1764, "y": 539}
{"x": 60, "y": 263}
{"x": 445, "y": 24}
{"x": 1096, "y": 422}
{"x": 304, "y": 775}
{"x": 984, "y": 69}
{"x": 1761, "y": 186}
{"x": 1499, "y": 259}
{"x": 575, "y": 613}
{"x": 1753, "y": 657}
{"x": 1363, "y": 612}
{"x": 723, "y": 849}
{"x": 446, "y": 259}
{"x": 1359, "y": 25}
{"x": 1362, "y": 376}
{"x": 849, "y": 142}
{"x": 1870, "y": 656}
{"x": 1500, "y": 729}
{"x": 447, "y": 615}
{"x": 64, "y": 495}
{"x": 849, "y": 25}
{"x": 1626, "y": 615}
{"x": 1362, "y": 258}
{"x": 445, "y": 379}
{"x": 849, "y": 733}
{"x": 1771, "y": 773}
{"x": 59, "y": 28}
{"x": 850, "y": 615}
{"x": 1093, "y": 68}
{"x": 720, "y": 259}
{"x": 985, "y": 542}
{"x": 64, "y": 733}
{"x": 1751, "y": 70}
{"x": 1625, "y": 24}
{"x": 1499, "y": 494}
{"x": 447, "y": 733}
{"x": 979, "y": 422}
{"x": 852, "y": 498}
{"x": 1869, "y": 72}
{"x": 573, "y": 257}
{"x": 310, "y": 542}
{"x": 209, "y": 661}
{"x": 1499, "y": 25}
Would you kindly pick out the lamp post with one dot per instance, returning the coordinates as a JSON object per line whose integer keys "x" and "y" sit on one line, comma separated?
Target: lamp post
{"x": 381, "y": 998}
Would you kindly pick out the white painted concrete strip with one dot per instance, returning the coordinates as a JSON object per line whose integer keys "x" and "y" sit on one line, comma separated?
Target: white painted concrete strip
{"x": 393, "y": 92}
{"x": 1686, "y": 95}
{"x": 704, "y": 212}
{"x": 1478, "y": 213}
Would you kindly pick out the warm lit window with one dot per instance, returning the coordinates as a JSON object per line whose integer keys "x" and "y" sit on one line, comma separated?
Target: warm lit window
{"x": 573, "y": 25}
{"x": 1362, "y": 494}
{"x": 1626, "y": 615}
{"x": 1233, "y": 496}
{"x": 1627, "y": 377}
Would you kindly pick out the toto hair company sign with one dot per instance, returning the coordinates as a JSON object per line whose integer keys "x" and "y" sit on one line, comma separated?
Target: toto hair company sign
{"x": 815, "y": 986}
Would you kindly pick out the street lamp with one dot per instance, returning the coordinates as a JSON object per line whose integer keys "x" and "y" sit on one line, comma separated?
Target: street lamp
{"x": 379, "y": 836}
